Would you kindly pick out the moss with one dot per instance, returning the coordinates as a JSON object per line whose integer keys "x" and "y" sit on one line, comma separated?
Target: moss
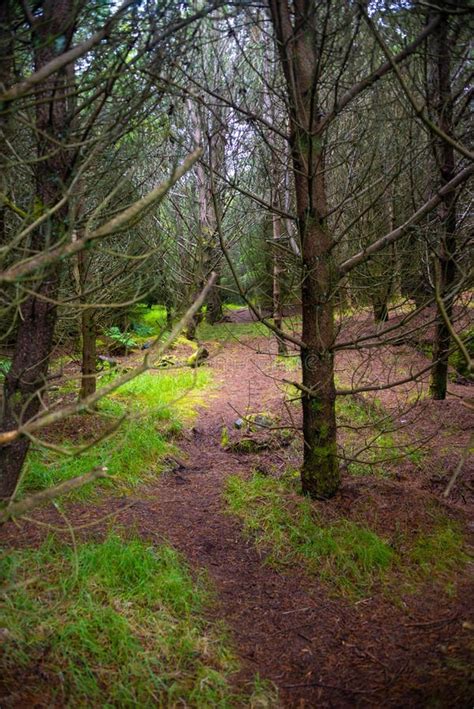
{"x": 224, "y": 437}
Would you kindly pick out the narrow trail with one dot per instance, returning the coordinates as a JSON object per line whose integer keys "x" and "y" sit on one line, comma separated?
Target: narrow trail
{"x": 319, "y": 651}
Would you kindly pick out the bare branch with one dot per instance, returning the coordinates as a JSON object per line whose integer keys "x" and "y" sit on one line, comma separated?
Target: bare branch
{"x": 400, "y": 231}
{"x": 58, "y": 63}
{"x": 131, "y": 214}
{"x": 15, "y": 509}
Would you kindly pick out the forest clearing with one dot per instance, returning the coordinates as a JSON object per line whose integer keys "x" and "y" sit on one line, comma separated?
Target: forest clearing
{"x": 236, "y": 354}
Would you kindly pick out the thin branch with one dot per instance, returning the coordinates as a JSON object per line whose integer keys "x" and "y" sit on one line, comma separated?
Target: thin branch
{"x": 131, "y": 214}
{"x": 397, "y": 233}
{"x": 58, "y": 63}
{"x": 15, "y": 509}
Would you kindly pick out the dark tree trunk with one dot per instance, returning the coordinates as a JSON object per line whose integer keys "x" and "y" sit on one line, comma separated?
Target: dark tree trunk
{"x": 6, "y": 65}
{"x": 320, "y": 474}
{"x": 190, "y": 331}
{"x": 277, "y": 278}
{"x": 380, "y": 309}
{"x": 169, "y": 317}
{"x": 298, "y": 47}
{"x": 89, "y": 354}
{"x": 26, "y": 380}
{"x": 444, "y": 154}
{"x": 214, "y": 304}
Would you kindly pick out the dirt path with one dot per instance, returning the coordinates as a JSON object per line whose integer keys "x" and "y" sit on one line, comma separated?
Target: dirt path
{"x": 319, "y": 651}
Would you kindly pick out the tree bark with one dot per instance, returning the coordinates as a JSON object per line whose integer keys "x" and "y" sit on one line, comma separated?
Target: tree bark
{"x": 210, "y": 255}
{"x": 298, "y": 48}
{"x": 6, "y": 65}
{"x": 444, "y": 154}
{"x": 278, "y": 270}
{"x": 89, "y": 354}
{"x": 380, "y": 308}
{"x": 26, "y": 380}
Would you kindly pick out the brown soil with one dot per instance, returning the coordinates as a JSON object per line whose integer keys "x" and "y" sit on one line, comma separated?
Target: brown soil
{"x": 319, "y": 649}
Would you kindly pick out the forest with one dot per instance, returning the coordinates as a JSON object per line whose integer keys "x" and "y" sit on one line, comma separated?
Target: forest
{"x": 236, "y": 353}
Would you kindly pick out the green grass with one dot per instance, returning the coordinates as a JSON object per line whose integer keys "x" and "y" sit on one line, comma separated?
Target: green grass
{"x": 154, "y": 317}
{"x": 168, "y": 395}
{"x": 349, "y": 557}
{"x": 289, "y": 362}
{"x": 133, "y": 454}
{"x": 365, "y": 426}
{"x": 223, "y": 332}
{"x": 233, "y": 306}
{"x": 439, "y": 552}
{"x": 120, "y": 623}
{"x": 5, "y": 365}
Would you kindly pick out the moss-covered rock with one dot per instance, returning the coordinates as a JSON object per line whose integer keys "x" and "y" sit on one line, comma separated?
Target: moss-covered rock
{"x": 198, "y": 357}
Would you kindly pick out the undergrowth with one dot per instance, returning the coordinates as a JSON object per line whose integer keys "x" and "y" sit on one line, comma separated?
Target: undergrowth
{"x": 154, "y": 317}
{"x": 132, "y": 455}
{"x": 349, "y": 557}
{"x": 223, "y": 332}
{"x": 370, "y": 444}
{"x": 166, "y": 395}
{"x": 118, "y": 623}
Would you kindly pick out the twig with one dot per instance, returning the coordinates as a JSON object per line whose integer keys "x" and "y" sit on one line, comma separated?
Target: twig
{"x": 15, "y": 509}
{"x": 431, "y": 622}
{"x": 459, "y": 466}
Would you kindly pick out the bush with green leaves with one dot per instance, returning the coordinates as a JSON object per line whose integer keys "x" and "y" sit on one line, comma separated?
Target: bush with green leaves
{"x": 121, "y": 341}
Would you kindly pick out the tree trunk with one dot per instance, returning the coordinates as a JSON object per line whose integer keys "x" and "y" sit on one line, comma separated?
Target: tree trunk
{"x": 169, "y": 317}
{"x": 89, "y": 354}
{"x": 380, "y": 309}
{"x": 209, "y": 243}
{"x": 277, "y": 275}
{"x": 6, "y": 65}
{"x": 214, "y": 304}
{"x": 444, "y": 153}
{"x": 190, "y": 331}
{"x": 320, "y": 474}
{"x": 26, "y": 381}
{"x": 298, "y": 48}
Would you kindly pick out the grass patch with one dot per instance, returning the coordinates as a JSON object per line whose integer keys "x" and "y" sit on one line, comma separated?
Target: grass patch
{"x": 351, "y": 558}
{"x": 364, "y": 428}
{"x": 223, "y": 332}
{"x": 289, "y": 362}
{"x": 348, "y": 557}
{"x": 233, "y": 306}
{"x": 132, "y": 455}
{"x": 154, "y": 317}
{"x": 118, "y": 623}
{"x": 439, "y": 553}
{"x": 167, "y": 395}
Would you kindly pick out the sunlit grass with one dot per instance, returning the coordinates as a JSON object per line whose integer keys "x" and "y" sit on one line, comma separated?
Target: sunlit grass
{"x": 167, "y": 395}
{"x": 132, "y": 455}
{"x": 349, "y": 557}
{"x": 154, "y": 317}
{"x": 223, "y": 332}
{"x": 122, "y": 623}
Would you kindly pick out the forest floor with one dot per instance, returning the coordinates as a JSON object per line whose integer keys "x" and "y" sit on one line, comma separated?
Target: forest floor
{"x": 381, "y": 618}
